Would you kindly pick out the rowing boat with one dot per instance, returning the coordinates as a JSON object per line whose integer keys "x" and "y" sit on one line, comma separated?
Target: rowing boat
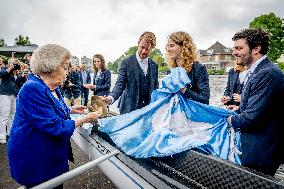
{"x": 190, "y": 169}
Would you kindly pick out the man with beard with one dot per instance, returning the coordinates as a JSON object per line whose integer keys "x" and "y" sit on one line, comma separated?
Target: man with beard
{"x": 137, "y": 77}
{"x": 259, "y": 120}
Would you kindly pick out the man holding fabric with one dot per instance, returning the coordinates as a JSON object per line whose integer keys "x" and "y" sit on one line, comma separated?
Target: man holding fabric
{"x": 259, "y": 119}
{"x": 137, "y": 77}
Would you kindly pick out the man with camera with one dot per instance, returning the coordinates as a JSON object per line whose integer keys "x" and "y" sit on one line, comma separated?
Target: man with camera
{"x": 8, "y": 93}
{"x": 12, "y": 76}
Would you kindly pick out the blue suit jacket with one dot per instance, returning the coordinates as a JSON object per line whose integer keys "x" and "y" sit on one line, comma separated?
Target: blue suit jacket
{"x": 232, "y": 78}
{"x": 103, "y": 84}
{"x": 40, "y": 135}
{"x": 259, "y": 119}
{"x": 127, "y": 84}
{"x": 74, "y": 91}
{"x": 233, "y": 86}
{"x": 8, "y": 83}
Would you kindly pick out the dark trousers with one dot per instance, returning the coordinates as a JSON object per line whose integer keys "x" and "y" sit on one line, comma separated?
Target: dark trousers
{"x": 85, "y": 95}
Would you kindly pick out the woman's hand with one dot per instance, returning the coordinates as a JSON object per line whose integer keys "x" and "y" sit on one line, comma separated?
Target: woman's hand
{"x": 10, "y": 68}
{"x": 77, "y": 109}
{"x": 90, "y": 117}
{"x": 183, "y": 90}
{"x": 225, "y": 99}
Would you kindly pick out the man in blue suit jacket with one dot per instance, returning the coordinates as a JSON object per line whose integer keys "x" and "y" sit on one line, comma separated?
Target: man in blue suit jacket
{"x": 137, "y": 77}
{"x": 259, "y": 119}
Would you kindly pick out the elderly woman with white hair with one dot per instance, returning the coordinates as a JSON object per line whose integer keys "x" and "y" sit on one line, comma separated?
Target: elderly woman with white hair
{"x": 39, "y": 143}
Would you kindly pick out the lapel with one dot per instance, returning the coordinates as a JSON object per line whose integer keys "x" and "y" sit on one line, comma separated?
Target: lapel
{"x": 150, "y": 68}
{"x": 59, "y": 103}
{"x": 95, "y": 75}
{"x": 234, "y": 81}
{"x": 247, "y": 88}
{"x": 135, "y": 69}
{"x": 101, "y": 76}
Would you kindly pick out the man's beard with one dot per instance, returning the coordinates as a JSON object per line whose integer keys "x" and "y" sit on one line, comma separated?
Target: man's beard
{"x": 247, "y": 61}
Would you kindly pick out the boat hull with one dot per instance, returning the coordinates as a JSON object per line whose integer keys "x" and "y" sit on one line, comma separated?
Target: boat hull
{"x": 190, "y": 169}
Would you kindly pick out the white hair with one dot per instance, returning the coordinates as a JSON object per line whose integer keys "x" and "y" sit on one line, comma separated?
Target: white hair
{"x": 48, "y": 58}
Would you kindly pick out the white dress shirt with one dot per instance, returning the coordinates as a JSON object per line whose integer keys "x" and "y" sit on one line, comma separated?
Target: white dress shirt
{"x": 143, "y": 63}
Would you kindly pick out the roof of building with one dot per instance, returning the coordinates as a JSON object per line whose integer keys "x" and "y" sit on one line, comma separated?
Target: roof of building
{"x": 18, "y": 48}
{"x": 216, "y": 48}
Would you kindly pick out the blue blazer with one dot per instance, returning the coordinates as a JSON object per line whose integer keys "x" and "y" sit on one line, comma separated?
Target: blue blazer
{"x": 127, "y": 84}
{"x": 74, "y": 91}
{"x": 233, "y": 86}
{"x": 232, "y": 78}
{"x": 199, "y": 89}
{"x": 8, "y": 83}
{"x": 259, "y": 119}
{"x": 40, "y": 135}
{"x": 103, "y": 83}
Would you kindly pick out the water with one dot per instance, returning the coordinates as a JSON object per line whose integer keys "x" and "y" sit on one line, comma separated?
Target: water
{"x": 217, "y": 86}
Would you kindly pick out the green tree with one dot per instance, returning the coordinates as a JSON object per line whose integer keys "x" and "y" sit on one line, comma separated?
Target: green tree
{"x": 22, "y": 40}
{"x": 2, "y": 42}
{"x": 274, "y": 25}
{"x": 281, "y": 66}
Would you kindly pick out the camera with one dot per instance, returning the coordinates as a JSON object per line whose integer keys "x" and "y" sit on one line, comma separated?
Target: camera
{"x": 16, "y": 66}
{"x": 66, "y": 83}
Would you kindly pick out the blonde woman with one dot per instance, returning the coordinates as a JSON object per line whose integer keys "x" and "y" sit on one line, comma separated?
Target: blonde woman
{"x": 181, "y": 52}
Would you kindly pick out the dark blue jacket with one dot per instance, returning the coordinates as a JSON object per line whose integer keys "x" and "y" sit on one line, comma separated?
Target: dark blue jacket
{"x": 260, "y": 118}
{"x": 40, "y": 135}
{"x": 127, "y": 84}
{"x": 103, "y": 83}
{"x": 233, "y": 86}
{"x": 74, "y": 91}
{"x": 8, "y": 83}
{"x": 199, "y": 89}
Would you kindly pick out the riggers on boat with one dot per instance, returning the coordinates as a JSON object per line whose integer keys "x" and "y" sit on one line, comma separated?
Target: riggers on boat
{"x": 190, "y": 169}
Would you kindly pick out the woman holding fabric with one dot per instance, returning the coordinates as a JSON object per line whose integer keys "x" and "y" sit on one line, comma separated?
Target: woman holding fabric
{"x": 181, "y": 52}
{"x": 39, "y": 143}
{"x": 178, "y": 117}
